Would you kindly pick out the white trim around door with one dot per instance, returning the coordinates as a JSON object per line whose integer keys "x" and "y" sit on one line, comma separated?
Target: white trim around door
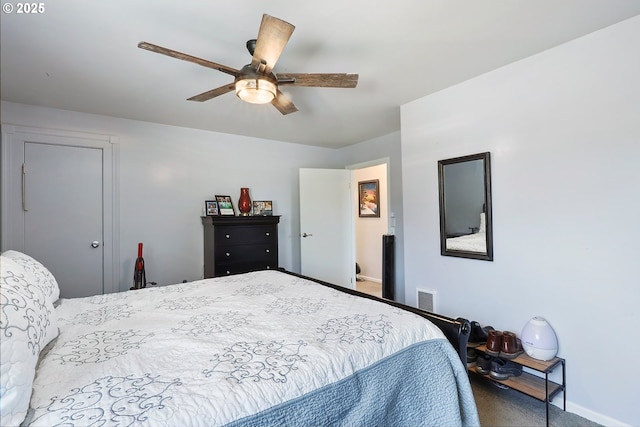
{"x": 11, "y": 186}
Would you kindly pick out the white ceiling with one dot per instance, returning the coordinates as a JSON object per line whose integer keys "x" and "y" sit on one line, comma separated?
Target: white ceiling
{"x": 83, "y": 56}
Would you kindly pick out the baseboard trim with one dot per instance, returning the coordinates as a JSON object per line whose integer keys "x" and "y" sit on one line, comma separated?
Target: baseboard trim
{"x": 369, "y": 279}
{"x": 596, "y": 417}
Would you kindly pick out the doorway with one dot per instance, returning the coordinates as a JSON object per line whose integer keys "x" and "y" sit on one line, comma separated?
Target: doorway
{"x": 58, "y": 203}
{"x": 369, "y": 229}
{"x": 332, "y": 243}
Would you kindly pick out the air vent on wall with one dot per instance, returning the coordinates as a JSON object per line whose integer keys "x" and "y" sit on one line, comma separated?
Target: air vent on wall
{"x": 428, "y": 300}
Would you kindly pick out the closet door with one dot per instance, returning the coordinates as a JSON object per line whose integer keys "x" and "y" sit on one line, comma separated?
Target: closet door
{"x": 63, "y": 216}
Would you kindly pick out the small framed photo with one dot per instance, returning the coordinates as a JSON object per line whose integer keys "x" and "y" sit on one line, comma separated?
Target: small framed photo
{"x": 225, "y": 205}
{"x": 211, "y": 208}
{"x": 368, "y": 197}
{"x": 262, "y": 208}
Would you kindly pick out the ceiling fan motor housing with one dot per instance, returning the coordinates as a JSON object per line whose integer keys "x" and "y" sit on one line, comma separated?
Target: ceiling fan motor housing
{"x": 251, "y": 46}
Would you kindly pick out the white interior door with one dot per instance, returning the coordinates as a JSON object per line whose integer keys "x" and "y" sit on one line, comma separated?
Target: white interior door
{"x": 326, "y": 226}
{"x": 63, "y": 224}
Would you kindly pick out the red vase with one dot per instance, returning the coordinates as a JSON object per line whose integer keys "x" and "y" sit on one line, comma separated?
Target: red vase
{"x": 244, "y": 203}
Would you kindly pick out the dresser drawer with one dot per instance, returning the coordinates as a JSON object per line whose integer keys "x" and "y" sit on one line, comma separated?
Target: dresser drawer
{"x": 228, "y": 268}
{"x": 236, "y": 253}
{"x": 242, "y": 235}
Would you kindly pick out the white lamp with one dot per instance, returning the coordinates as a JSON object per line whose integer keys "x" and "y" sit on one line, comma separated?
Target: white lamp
{"x": 539, "y": 340}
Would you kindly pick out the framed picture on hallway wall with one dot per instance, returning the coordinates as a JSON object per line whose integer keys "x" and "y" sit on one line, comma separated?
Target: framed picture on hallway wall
{"x": 368, "y": 198}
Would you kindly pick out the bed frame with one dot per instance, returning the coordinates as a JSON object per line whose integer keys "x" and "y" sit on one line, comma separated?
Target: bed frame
{"x": 456, "y": 330}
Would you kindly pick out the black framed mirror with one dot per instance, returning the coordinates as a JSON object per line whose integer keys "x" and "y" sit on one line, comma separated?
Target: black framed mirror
{"x": 466, "y": 228}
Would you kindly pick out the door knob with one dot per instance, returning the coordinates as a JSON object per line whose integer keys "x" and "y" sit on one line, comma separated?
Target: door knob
{"x": 306, "y": 235}
{"x": 95, "y": 244}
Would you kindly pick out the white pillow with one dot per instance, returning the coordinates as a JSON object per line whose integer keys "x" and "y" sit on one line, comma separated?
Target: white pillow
{"x": 39, "y": 272}
{"x": 483, "y": 223}
{"x": 27, "y": 324}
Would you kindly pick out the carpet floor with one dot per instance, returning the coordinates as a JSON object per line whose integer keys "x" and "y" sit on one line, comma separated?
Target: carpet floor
{"x": 369, "y": 287}
{"x": 510, "y": 408}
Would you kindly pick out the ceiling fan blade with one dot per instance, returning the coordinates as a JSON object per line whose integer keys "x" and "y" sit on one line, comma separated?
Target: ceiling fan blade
{"x": 179, "y": 55}
{"x": 205, "y": 96}
{"x": 272, "y": 38}
{"x": 283, "y": 103}
{"x": 318, "y": 79}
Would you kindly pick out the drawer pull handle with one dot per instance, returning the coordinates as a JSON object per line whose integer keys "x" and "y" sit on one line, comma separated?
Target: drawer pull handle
{"x": 267, "y": 234}
{"x": 228, "y": 254}
{"x": 268, "y": 267}
{"x": 228, "y": 272}
{"x": 267, "y": 250}
{"x": 227, "y": 236}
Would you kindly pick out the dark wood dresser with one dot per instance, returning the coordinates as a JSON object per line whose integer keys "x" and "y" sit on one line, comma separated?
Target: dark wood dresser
{"x": 239, "y": 244}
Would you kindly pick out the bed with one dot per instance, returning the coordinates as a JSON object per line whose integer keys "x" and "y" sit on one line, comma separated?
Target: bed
{"x": 474, "y": 242}
{"x": 261, "y": 348}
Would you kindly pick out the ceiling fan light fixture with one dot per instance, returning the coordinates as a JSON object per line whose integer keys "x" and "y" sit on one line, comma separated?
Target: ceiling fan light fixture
{"x": 255, "y": 90}
{"x": 255, "y": 82}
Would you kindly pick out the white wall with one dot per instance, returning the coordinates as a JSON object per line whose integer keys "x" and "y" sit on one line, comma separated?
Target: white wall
{"x": 369, "y": 230}
{"x": 563, "y": 129}
{"x": 165, "y": 175}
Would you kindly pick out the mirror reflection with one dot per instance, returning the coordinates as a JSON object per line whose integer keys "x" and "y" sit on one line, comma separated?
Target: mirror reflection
{"x": 465, "y": 207}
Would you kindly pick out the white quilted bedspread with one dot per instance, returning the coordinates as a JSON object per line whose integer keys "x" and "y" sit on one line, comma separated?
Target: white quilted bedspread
{"x": 209, "y": 352}
{"x": 476, "y": 242}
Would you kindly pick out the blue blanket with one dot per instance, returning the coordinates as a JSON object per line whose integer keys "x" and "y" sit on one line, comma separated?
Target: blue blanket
{"x": 422, "y": 385}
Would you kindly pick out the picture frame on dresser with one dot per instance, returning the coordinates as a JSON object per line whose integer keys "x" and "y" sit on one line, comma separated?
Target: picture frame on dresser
{"x": 262, "y": 207}
{"x": 211, "y": 208}
{"x": 225, "y": 206}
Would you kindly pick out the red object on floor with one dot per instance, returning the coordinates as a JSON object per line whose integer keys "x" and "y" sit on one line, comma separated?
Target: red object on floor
{"x": 139, "y": 276}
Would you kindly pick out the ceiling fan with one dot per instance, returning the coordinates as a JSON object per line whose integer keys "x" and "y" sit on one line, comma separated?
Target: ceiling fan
{"x": 255, "y": 82}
